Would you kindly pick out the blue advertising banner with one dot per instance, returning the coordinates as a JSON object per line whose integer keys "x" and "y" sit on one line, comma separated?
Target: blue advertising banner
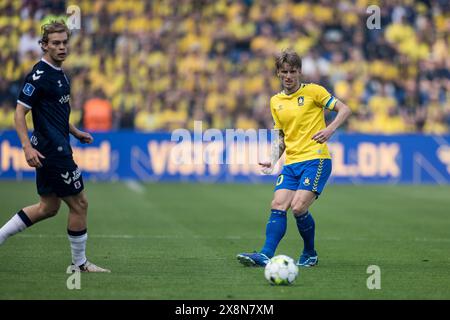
{"x": 222, "y": 157}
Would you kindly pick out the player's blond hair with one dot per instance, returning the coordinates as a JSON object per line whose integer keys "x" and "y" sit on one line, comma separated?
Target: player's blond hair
{"x": 290, "y": 57}
{"x": 54, "y": 26}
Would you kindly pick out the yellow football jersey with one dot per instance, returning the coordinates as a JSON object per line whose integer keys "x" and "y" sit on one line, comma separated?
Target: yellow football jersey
{"x": 300, "y": 115}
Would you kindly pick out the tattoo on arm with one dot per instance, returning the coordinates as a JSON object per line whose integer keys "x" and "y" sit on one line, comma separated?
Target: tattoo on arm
{"x": 278, "y": 146}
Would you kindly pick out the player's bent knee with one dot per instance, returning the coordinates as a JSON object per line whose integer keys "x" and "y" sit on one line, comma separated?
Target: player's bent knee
{"x": 83, "y": 203}
{"x": 52, "y": 212}
{"x": 81, "y": 206}
{"x": 299, "y": 208}
{"x": 278, "y": 205}
{"x": 48, "y": 211}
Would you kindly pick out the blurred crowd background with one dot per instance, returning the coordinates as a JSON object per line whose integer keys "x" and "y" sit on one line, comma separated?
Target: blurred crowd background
{"x": 160, "y": 65}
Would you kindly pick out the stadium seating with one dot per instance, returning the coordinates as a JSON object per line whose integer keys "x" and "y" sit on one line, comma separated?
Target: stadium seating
{"x": 162, "y": 64}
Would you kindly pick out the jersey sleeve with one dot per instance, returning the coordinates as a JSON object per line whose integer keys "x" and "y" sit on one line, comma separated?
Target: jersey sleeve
{"x": 29, "y": 94}
{"x": 276, "y": 121}
{"x": 323, "y": 98}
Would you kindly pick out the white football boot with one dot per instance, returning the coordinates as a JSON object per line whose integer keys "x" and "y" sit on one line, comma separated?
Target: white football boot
{"x": 86, "y": 267}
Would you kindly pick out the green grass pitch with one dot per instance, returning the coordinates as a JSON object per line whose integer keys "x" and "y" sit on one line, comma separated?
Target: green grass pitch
{"x": 179, "y": 241}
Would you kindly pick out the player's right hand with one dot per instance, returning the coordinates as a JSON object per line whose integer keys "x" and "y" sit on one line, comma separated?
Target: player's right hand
{"x": 266, "y": 167}
{"x": 32, "y": 156}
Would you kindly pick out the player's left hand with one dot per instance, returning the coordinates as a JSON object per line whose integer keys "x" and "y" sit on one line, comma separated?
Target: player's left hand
{"x": 323, "y": 135}
{"x": 85, "y": 137}
{"x": 266, "y": 167}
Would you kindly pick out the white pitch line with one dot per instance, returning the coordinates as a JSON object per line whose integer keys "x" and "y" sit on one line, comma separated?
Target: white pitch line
{"x": 230, "y": 237}
{"x": 135, "y": 186}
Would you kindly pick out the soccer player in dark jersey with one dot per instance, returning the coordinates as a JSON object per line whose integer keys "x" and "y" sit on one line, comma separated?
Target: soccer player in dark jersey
{"x": 46, "y": 93}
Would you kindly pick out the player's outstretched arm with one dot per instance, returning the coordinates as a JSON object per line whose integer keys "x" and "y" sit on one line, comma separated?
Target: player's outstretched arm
{"x": 31, "y": 155}
{"x": 343, "y": 112}
{"x": 277, "y": 149}
{"x": 84, "y": 137}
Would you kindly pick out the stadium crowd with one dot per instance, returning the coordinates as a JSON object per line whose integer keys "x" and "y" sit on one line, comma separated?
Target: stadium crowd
{"x": 161, "y": 64}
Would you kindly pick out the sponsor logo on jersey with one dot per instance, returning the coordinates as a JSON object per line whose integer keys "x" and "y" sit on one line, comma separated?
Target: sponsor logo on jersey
{"x": 64, "y": 99}
{"x": 76, "y": 174}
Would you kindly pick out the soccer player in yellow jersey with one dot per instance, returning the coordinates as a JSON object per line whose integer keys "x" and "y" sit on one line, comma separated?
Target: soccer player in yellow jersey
{"x": 298, "y": 114}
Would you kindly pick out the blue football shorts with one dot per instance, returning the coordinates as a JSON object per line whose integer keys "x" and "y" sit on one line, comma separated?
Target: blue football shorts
{"x": 309, "y": 175}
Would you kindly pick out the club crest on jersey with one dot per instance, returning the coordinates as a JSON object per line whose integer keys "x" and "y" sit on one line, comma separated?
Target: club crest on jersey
{"x": 301, "y": 100}
{"x": 306, "y": 182}
{"x": 28, "y": 89}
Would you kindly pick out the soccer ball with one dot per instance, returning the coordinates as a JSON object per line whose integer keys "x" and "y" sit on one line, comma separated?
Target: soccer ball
{"x": 281, "y": 270}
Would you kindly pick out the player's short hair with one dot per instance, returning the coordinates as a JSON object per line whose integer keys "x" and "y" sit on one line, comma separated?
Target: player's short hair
{"x": 55, "y": 26}
{"x": 290, "y": 57}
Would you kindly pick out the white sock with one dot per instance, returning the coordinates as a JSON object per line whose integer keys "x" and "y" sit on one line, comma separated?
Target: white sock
{"x": 78, "y": 247}
{"x": 13, "y": 226}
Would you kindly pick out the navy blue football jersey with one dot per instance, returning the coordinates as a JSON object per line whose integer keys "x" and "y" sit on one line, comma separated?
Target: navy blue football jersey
{"x": 46, "y": 91}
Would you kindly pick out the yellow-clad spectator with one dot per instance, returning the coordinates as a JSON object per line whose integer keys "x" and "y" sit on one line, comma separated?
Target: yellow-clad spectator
{"x": 264, "y": 43}
{"x": 362, "y": 122}
{"x": 148, "y": 119}
{"x": 392, "y": 124}
{"x": 241, "y": 29}
{"x": 221, "y": 119}
{"x": 7, "y": 116}
{"x": 172, "y": 119}
{"x": 217, "y": 99}
{"x": 381, "y": 103}
{"x": 245, "y": 121}
{"x": 435, "y": 122}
